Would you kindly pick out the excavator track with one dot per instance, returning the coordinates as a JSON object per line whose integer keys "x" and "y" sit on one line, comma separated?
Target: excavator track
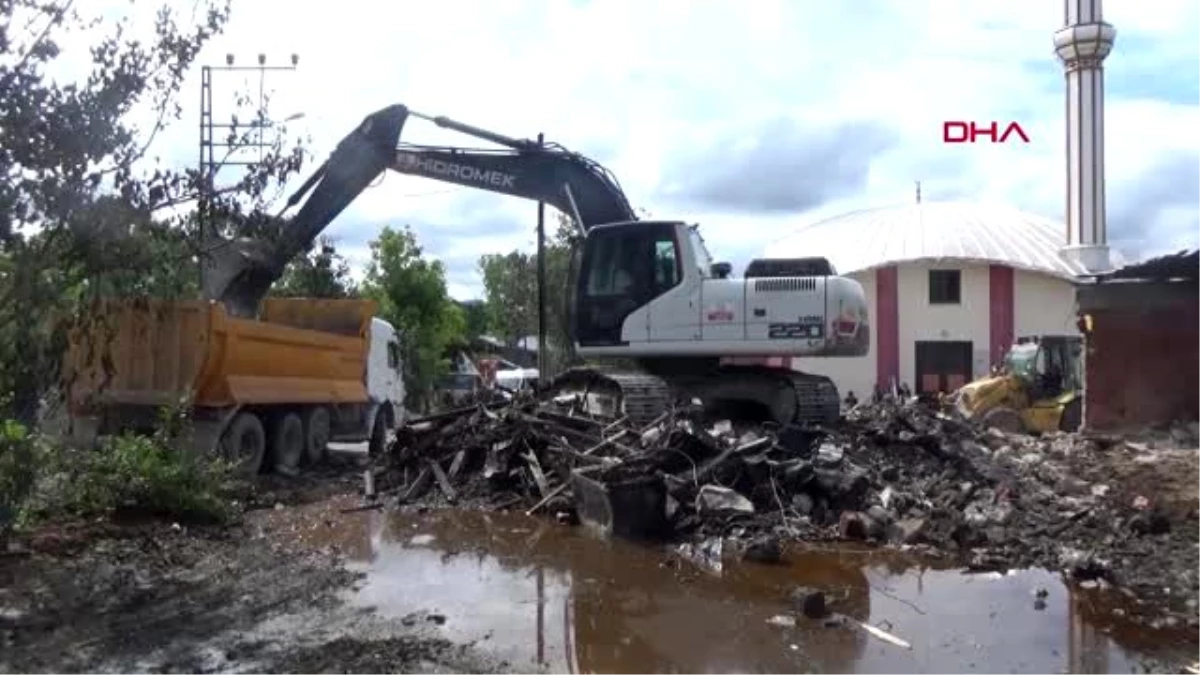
{"x": 641, "y": 397}
{"x": 765, "y": 394}
{"x": 789, "y": 397}
{"x": 817, "y": 400}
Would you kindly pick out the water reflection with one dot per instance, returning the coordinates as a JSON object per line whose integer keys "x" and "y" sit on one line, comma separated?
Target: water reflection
{"x": 534, "y": 592}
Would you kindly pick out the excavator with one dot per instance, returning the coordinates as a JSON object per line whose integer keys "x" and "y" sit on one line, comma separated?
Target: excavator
{"x": 645, "y": 291}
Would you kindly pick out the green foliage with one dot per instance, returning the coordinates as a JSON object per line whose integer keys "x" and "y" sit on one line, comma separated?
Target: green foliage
{"x": 147, "y": 475}
{"x": 411, "y": 292}
{"x": 510, "y": 287}
{"x": 140, "y": 474}
{"x": 18, "y": 461}
{"x": 475, "y": 314}
{"x": 321, "y": 273}
{"x": 510, "y": 282}
{"x": 84, "y": 211}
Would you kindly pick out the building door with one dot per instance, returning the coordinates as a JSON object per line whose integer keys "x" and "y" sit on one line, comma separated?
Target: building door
{"x": 942, "y": 366}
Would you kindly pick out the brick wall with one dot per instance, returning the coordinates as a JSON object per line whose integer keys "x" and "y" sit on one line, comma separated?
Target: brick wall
{"x": 1142, "y": 366}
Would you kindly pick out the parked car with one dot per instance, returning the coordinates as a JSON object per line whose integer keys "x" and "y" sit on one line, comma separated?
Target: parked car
{"x": 512, "y": 377}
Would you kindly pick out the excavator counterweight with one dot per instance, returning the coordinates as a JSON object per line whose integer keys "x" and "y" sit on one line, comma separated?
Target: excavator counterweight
{"x": 643, "y": 290}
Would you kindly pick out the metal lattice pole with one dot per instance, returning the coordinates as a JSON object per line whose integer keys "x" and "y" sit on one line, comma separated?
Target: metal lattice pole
{"x": 209, "y": 165}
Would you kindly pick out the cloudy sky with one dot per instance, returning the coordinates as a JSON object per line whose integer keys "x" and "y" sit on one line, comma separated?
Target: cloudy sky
{"x": 752, "y": 118}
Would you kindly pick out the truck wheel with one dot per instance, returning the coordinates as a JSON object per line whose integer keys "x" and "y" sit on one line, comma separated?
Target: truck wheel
{"x": 245, "y": 443}
{"x": 316, "y": 435}
{"x": 378, "y": 442}
{"x": 287, "y": 443}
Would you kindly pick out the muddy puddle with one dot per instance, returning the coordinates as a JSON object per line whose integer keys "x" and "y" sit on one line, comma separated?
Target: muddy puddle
{"x": 532, "y": 592}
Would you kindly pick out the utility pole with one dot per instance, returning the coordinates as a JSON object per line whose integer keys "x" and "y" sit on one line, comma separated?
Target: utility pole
{"x": 541, "y": 283}
{"x": 209, "y": 164}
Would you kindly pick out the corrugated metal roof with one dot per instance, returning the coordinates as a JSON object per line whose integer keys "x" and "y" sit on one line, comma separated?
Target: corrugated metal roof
{"x": 931, "y": 231}
{"x": 1181, "y": 265}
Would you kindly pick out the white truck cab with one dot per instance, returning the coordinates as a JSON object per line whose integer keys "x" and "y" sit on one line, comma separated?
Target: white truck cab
{"x": 385, "y": 381}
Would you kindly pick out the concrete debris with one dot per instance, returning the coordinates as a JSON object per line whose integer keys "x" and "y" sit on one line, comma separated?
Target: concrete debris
{"x": 715, "y": 498}
{"x": 888, "y": 473}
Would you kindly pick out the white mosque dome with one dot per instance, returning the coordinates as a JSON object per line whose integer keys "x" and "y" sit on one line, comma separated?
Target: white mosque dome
{"x": 934, "y": 231}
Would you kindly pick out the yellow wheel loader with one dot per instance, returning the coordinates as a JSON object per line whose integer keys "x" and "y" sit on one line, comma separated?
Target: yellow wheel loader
{"x": 1038, "y": 388}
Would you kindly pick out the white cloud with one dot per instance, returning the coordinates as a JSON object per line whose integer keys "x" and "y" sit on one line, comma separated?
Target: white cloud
{"x": 647, "y": 82}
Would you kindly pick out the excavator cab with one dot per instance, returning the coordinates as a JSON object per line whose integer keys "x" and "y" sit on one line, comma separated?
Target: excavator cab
{"x": 623, "y": 268}
{"x": 1038, "y": 388}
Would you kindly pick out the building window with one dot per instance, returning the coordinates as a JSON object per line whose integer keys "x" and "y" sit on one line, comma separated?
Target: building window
{"x": 945, "y": 287}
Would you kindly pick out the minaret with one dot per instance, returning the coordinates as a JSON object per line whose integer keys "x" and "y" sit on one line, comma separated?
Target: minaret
{"x": 1082, "y": 44}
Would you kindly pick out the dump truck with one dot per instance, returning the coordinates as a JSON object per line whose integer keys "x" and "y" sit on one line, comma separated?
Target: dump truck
{"x": 267, "y": 393}
{"x": 1038, "y": 388}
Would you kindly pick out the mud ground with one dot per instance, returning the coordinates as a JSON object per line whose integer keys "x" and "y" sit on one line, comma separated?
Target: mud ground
{"x": 160, "y": 597}
{"x": 1115, "y": 511}
{"x": 272, "y": 593}
{"x": 1146, "y": 523}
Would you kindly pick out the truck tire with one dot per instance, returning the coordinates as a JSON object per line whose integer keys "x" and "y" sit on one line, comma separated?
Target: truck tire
{"x": 245, "y": 444}
{"x": 287, "y": 443}
{"x": 316, "y": 435}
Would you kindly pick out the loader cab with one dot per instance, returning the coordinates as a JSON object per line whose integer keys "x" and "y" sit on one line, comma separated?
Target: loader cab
{"x": 1047, "y": 365}
{"x": 623, "y": 267}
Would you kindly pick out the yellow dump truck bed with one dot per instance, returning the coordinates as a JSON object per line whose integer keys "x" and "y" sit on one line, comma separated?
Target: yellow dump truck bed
{"x": 161, "y": 352}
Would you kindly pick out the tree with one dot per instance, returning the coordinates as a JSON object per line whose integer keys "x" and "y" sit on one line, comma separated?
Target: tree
{"x": 510, "y": 291}
{"x": 560, "y": 291}
{"x": 475, "y": 312}
{"x": 83, "y": 210}
{"x": 510, "y": 282}
{"x": 320, "y": 273}
{"x": 411, "y": 292}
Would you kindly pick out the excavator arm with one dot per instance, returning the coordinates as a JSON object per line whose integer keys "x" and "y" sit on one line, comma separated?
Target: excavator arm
{"x": 571, "y": 183}
{"x": 239, "y": 272}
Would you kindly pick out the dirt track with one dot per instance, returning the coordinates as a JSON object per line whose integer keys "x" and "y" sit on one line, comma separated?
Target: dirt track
{"x": 162, "y": 598}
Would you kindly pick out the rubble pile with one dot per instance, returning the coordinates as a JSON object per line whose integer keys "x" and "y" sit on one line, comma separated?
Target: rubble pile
{"x": 890, "y": 473}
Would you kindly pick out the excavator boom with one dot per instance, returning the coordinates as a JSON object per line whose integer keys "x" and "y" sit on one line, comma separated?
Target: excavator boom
{"x": 239, "y": 272}
{"x": 569, "y": 182}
